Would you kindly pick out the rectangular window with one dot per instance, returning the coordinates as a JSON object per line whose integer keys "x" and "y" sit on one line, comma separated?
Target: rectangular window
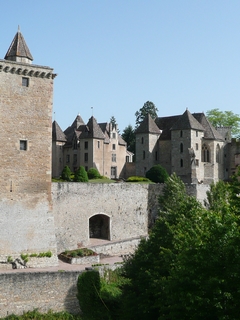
{"x": 68, "y": 158}
{"x": 127, "y": 159}
{"x": 196, "y": 133}
{"x": 114, "y": 146}
{"x": 98, "y": 144}
{"x": 144, "y": 155}
{"x": 196, "y": 146}
{"x": 75, "y": 158}
{"x": 114, "y": 157}
{"x": 114, "y": 135}
{"x": 197, "y": 162}
{"x": 25, "y": 82}
{"x": 156, "y": 155}
{"x": 86, "y": 157}
{"x": 86, "y": 168}
{"x": 23, "y": 145}
{"x": 86, "y": 145}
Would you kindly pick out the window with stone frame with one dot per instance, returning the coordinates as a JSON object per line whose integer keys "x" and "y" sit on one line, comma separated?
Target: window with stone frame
{"x": 23, "y": 145}
{"x": 181, "y": 147}
{"x": 86, "y": 145}
{"x": 68, "y": 158}
{"x": 114, "y": 146}
{"x": 25, "y": 82}
{"x": 86, "y": 157}
{"x": 114, "y": 157}
{"x": 181, "y": 163}
{"x": 218, "y": 160}
{"x": 205, "y": 153}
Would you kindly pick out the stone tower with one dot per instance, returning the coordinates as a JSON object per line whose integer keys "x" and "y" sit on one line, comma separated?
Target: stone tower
{"x": 147, "y": 135}
{"x": 26, "y": 92}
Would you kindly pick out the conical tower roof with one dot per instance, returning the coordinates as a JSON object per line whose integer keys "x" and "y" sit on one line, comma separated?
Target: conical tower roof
{"x": 93, "y": 130}
{"x": 18, "y": 50}
{"x": 187, "y": 121}
{"x": 148, "y": 125}
{"x": 57, "y": 133}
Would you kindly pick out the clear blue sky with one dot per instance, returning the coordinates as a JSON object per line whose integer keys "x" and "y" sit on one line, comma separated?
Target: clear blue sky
{"x": 111, "y": 56}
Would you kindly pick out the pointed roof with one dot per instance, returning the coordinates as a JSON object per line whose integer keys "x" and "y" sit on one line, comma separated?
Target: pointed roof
{"x": 209, "y": 131}
{"x": 18, "y": 48}
{"x": 57, "y": 133}
{"x": 92, "y": 130}
{"x": 148, "y": 126}
{"x": 187, "y": 121}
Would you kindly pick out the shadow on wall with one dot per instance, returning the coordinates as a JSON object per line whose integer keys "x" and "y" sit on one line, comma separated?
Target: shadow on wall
{"x": 71, "y": 303}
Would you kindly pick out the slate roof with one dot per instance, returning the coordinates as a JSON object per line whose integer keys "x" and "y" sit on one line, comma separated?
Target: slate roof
{"x": 18, "y": 48}
{"x": 57, "y": 133}
{"x": 209, "y": 131}
{"x": 92, "y": 130}
{"x": 165, "y": 124}
{"x": 148, "y": 126}
{"x": 187, "y": 121}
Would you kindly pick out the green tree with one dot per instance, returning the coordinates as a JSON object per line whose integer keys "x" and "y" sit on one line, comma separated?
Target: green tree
{"x": 93, "y": 173}
{"x": 157, "y": 174}
{"x": 128, "y": 135}
{"x": 188, "y": 267}
{"x": 148, "y": 108}
{"x": 66, "y": 173}
{"x": 225, "y": 119}
{"x": 81, "y": 175}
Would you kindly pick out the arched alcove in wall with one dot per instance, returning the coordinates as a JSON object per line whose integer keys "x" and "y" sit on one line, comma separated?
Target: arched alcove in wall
{"x": 99, "y": 227}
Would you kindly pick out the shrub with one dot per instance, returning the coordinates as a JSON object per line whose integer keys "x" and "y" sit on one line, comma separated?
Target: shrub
{"x": 93, "y": 174}
{"x": 81, "y": 175}
{"x": 137, "y": 179}
{"x": 66, "y": 174}
{"x": 157, "y": 174}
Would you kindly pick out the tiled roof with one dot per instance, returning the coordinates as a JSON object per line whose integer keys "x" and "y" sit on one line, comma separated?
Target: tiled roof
{"x": 148, "y": 126}
{"x": 57, "y": 133}
{"x": 18, "y": 48}
{"x": 209, "y": 131}
{"x": 187, "y": 121}
{"x": 92, "y": 130}
{"x": 165, "y": 124}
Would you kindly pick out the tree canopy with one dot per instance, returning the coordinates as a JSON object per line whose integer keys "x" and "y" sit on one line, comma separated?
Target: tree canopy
{"x": 188, "y": 268}
{"x": 128, "y": 135}
{"x": 225, "y": 119}
{"x": 157, "y": 174}
{"x": 148, "y": 108}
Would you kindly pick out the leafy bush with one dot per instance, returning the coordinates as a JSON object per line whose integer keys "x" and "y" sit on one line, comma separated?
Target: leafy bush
{"x": 81, "y": 175}
{"x": 157, "y": 174}
{"x": 93, "y": 174}
{"x": 66, "y": 174}
{"x": 88, "y": 286}
{"x": 47, "y": 316}
{"x": 137, "y": 179}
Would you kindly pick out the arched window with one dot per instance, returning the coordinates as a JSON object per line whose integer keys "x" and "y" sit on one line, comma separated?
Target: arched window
{"x": 99, "y": 227}
{"x": 218, "y": 153}
{"x": 205, "y": 153}
{"x": 181, "y": 147}
{"x": 181, "y": 163}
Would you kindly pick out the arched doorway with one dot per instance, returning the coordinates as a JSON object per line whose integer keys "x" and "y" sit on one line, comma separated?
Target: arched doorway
{"x": 99, "y": 227}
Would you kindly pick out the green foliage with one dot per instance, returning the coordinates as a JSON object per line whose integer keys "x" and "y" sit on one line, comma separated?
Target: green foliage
{"x": 225, "y": 119}
{"x": 188, "y": 268}
{"x": 129, "y": 137}
{"x": 157, "y": 174}
{"x": 148, "y": 108}
{"x": 83, "y": 252}
{"x": 137, "y": 179}
{"x": 93, "y": 174}
{"x": 66, "y": 174}
{"x": 100, "y": 298}
{"x": 81, "y": 175}
{"x": 88, "y": 286}
{"x": 35, "y": 315}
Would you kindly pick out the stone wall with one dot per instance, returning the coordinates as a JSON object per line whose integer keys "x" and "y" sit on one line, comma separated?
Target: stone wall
{"x": 21, "y": 292}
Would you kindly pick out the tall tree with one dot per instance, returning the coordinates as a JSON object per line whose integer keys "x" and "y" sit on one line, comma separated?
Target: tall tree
{"x": 225, "y": 119}
{"x": 188, "y": 268}
{"x": 148, "y": 108}
{"x": 128, "y": 135}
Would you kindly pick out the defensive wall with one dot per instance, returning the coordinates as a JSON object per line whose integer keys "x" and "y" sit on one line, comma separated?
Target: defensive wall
{"x": 131, "y": 208}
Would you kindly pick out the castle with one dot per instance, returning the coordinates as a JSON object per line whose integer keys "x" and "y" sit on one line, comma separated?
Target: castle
{"x": 38, "y": 216}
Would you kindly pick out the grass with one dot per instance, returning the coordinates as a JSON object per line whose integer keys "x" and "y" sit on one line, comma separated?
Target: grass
{"x": 35, "y": 315}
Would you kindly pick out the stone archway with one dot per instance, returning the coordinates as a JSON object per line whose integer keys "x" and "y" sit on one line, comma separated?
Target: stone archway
{"x": 99, "y": 227}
